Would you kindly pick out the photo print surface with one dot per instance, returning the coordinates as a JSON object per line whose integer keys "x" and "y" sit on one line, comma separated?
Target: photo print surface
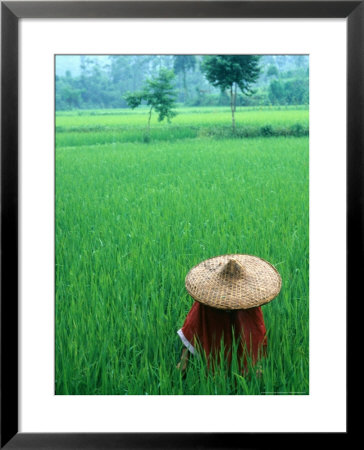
{"x": 182, "y": 212}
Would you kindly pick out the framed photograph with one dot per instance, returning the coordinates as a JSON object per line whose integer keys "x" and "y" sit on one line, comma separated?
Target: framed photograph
{"x": 181, "y": 219}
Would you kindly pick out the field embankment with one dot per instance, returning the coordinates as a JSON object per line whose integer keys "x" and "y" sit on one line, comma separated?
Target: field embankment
{"x": 111, "y": 126}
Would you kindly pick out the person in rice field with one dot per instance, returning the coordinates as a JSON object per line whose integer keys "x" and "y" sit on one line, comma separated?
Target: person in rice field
{"x": 228, "y": 291}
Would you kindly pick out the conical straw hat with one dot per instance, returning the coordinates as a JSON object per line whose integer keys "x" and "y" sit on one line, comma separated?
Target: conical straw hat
{"x": 233, "y": 282}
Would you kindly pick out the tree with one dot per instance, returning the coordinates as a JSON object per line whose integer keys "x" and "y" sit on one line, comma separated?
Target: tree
{"x": 228, "y": 72}
{"x": 290, "y": 92}
{"x": 276, "y": 92}
{"x": 182, "y": 64}
{"x": 67, "y": 97}
{"x": 272, "y": 71}
{"x": 158, "y": 93}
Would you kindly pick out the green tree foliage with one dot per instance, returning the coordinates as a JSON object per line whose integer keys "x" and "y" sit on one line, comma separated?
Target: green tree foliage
{"x": 102, "y": 81}
{"x": 272, "y": 71}
{"x": 158, "y": 93}
{"x": 67, "y": 96}
{"x": 289, "y": 92}
{"x": 230, "y": 72}
{"x": 182, "y": 64}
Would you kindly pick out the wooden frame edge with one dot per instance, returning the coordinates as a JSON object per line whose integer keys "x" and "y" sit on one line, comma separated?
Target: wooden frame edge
{"x": 11, "y": 12}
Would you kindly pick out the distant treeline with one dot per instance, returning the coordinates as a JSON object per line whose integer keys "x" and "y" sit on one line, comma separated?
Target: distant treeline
{"x": 92, "y": 82}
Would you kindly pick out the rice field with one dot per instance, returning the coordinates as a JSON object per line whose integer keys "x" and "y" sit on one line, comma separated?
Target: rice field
{"x": 77, "y": 128}
{"x": 132, "y": 218}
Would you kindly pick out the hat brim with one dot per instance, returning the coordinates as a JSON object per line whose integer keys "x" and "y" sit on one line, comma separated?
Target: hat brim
{"x": 259, "y": 284}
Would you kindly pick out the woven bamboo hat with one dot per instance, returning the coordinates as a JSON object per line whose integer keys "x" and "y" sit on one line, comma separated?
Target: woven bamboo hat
{"x": 233, "y": 282}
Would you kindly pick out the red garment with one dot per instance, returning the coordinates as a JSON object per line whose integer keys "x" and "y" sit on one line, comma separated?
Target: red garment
{"x": 207, "y": 326}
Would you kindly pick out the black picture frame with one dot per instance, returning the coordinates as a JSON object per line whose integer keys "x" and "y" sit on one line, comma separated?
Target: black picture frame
{"x": 11, "y": 12}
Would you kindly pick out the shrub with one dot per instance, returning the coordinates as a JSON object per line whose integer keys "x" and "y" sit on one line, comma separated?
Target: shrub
{"x": 267, "y": 130}
{"x": 298, "y": 130}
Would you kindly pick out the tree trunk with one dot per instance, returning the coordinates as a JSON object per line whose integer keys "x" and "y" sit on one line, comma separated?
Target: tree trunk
{"x": 150, "y": 116}
{"x": 233, "y": 106}
{"x": 185, "y": 86}
{"x": 147, "y": 137}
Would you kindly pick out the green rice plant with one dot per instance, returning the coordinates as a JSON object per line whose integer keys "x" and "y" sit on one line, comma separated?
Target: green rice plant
{"x": 118, "y": 126}
{"x": 133, "y": 218}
